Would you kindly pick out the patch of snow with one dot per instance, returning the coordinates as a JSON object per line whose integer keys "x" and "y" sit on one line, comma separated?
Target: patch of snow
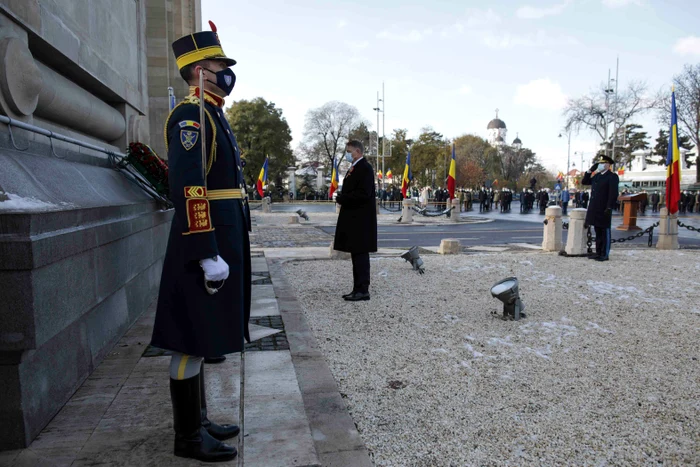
{"x": 17, "y": 203}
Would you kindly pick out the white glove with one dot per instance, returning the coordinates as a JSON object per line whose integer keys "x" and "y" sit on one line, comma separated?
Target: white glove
{"x": 215, "y": 269}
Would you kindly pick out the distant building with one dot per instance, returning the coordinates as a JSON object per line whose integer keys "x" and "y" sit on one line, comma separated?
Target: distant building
{"x": 498, "y": 132}
{"x": 644, "y": 172}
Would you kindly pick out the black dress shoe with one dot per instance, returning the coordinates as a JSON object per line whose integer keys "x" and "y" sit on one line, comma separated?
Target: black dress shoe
{"x": 602, "y": 258}
{"x": 358, "y": 296}
{"x": 348, "y": 294}
{"x": 215, "y": 360}
{"x": 595, "y": 257}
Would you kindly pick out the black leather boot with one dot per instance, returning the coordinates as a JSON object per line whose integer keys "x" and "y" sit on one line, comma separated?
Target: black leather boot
{"x": 220, "y": 432}
{"x": 191, "y": 439}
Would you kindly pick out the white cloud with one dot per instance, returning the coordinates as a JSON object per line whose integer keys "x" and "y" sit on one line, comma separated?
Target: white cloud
{"x": 505, "y": 40}
{"x": 473, "y": 19}
{"x": 531, "y": 12}
{"x": 342, "y": 23}
{"x": 621, "y": 3}
{"x": 412, "y": 36}
{"x": 687, "y": 46}
{"x": 542, "y": 94}
{"x": 357, "y": 45}
{"x": 465, "y": 90}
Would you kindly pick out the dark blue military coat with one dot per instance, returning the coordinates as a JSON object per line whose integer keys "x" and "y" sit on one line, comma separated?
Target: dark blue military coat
{"x": 356, "y": 231}
{"x": 604, "y": 192}
{"x": 188, "y": 319}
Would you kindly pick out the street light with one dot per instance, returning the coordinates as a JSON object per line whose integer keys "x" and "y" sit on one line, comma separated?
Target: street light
{"x": 377, "y": 109}
{"x": 568, "y": 159}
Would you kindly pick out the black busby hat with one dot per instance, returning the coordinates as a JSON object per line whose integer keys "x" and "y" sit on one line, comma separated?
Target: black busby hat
{"x": 603, "y": 159}
{"x": 204, "y": 45}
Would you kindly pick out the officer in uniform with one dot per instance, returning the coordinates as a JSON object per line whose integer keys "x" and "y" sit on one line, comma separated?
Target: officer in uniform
{"x": 204, "y": 299}
{"x": 604, "y": 191}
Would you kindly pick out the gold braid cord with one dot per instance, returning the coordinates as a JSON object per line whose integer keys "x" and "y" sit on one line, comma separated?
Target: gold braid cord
{"x": 212, "y": 152}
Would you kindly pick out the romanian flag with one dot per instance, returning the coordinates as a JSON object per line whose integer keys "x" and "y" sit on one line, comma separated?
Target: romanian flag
{"x": 334, "y": 180}
{"x": 452, "y": 174}
{"x": 673, "y": 171}
{"x": 407, "y": 175}
{"x": 379, "y": 174}
{"x": 262, "y": 178}
{"x": 388, "y": 173}
{"x": 621, "y": 171}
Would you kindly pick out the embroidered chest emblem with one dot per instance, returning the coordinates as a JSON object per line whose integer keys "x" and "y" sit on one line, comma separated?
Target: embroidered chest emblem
{"x": 188, "y": 138}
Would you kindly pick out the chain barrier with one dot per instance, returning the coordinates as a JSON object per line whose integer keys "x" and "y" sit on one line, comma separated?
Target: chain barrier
{"x": 424, "y": 212}
{"x": 565, "y": 225}
{"x": 390, "y": 209}
{"x": 589, "y": 240}
{"x": 689, "y": 227}
{"x": 649, "y": 231}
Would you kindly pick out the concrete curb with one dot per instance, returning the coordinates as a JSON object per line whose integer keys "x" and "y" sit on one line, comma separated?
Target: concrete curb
{"x": 337, "y": 441}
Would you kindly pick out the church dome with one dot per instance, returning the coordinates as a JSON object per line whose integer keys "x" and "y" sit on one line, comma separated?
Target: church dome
{"x": 499, "y": 139}
{"x": 517, "y": 141}
{"x": 496, "y": 123}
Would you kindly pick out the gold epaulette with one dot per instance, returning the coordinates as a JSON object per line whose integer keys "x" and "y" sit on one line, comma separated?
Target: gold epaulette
{"x": 194, "y": 100}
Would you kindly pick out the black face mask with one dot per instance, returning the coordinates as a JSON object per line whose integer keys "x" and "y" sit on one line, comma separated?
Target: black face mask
{"x": 225, "y": 80}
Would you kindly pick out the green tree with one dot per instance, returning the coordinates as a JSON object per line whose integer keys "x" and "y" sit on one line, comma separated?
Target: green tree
{"x": 661, "y": 148}
{"x": 476, "y": 160}
{"x": 261, "y": 130}
{"x": 427, "y": 155}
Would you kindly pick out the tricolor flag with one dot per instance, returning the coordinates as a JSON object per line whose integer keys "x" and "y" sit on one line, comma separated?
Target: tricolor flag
{"x": 621, "y": 171}
{"x": 452, "y": 174}
{"x": 379, "y": 174}
{"x": 388, "y": 173}
{"x": 673, "y": 166}
{"x": 407, "y": 175}
{"x": 334, "y": 180}
{"x": 262, "y": 178}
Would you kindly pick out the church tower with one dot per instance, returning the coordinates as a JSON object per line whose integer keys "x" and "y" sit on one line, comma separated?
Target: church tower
{"x": 497, "y": 131}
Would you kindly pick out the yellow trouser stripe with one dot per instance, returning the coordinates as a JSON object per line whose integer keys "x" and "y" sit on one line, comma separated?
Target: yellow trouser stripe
{"x": 181, "y": 369}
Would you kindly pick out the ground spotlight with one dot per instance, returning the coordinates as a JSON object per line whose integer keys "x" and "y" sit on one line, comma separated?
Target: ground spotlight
{"x": 303, "y": 214}
{"x": 506, "y": 291}
{"x": 413, "y": 257}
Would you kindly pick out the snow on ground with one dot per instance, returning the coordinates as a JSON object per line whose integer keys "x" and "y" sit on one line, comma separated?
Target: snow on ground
{"x": 604, "y": 369}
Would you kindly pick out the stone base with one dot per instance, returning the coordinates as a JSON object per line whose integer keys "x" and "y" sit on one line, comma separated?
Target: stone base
{"x": 668, "y": 231}
{"x": 293, "y": 219}
{"x": 335, "y": 254}
{"x": 449, "y": 246}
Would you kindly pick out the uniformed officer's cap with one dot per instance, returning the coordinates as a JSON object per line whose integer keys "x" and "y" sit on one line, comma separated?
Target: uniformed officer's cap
{"x": 204, "y": 45}
{"x": 603, "y": 159}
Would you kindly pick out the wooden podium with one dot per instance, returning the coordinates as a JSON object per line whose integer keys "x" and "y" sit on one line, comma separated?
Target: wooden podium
{"x": 630, "y": 207}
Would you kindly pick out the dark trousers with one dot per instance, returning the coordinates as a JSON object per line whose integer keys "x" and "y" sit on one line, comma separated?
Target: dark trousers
{"x": 564, "y": 206}
{"x": 360, "y": 272}
{"x": 602, "y": 241}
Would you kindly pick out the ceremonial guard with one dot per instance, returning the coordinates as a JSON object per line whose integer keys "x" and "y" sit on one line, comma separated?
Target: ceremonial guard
{"x": 204, "y": 299}
{"x": 604, "y": 191}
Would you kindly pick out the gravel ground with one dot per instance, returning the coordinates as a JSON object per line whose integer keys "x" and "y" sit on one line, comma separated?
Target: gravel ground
{"x": 603, "y": 371}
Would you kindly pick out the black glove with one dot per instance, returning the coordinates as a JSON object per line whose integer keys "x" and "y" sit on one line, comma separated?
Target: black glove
{"x": 593, "y": 168}
{"x": 608, "y": 212}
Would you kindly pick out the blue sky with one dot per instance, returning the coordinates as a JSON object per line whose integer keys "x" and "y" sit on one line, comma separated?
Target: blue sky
{"x": 450, "y": 64}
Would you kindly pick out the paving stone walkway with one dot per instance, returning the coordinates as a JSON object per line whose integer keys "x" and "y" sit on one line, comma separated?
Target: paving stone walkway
{"x": 295, "y": 416}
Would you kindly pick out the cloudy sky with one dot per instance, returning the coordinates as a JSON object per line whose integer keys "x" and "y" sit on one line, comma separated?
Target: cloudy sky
{"x": 450, "y": 64}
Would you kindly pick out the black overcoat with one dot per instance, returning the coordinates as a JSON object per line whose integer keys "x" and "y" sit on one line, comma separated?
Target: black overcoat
{"x": 356, "y": 231}
{"x": 188, "y": 319}
{"x": 604, "y": 193}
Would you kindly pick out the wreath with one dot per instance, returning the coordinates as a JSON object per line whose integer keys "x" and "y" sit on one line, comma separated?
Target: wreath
{"x": 153, "y": 168}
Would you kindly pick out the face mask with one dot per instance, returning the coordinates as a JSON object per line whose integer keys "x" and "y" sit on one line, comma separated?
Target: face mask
{"x": 601, "y": 167}
{"x": 225, "y": 80}
{"x": 348, "y": 156}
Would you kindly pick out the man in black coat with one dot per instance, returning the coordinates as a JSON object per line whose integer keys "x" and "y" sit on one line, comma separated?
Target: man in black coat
{"x": 604, "y": 192}
{"x": 204, "y": 297}
{"x": 356, "y": 231}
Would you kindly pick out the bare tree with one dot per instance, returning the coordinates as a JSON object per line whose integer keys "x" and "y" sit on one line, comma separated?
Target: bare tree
{"x": 327, "y": 128}
{"x": 687, "y": 86}
{"x": 597, "y": 110}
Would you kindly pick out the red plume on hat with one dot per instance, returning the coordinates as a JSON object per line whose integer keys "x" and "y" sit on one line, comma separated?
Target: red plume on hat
{"x": 212, "y": 26}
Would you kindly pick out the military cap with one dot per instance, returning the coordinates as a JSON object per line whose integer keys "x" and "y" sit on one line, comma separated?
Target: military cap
{"x": 603, "y": 159}
{"x": 204, "y": 45}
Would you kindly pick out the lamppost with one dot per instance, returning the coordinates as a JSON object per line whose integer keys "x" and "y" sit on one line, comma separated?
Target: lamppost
{"x": 377, "y": 109}
{"x": 568, "y": 158}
